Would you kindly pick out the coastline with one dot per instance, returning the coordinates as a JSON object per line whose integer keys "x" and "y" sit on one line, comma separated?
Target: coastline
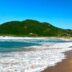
{"x": 16, "y": 37}
{"x": 64, "y": 66}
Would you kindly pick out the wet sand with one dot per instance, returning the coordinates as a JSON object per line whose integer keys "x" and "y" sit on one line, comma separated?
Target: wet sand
{"x": 64, "y": 66}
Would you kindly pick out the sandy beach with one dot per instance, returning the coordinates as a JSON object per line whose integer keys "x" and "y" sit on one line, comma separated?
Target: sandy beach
{"x": 14, "y": 37}
{"x": 64, "y": 66}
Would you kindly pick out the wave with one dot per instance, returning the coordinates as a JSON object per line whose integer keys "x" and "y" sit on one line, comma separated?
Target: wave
{"x": 34, "y": 60}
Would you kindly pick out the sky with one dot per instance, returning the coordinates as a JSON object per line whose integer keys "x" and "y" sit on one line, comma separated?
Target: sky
{"x": 56, "y": 12}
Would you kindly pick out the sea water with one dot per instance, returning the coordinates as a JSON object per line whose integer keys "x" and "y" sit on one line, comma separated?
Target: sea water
{"x": 31, "y": 55}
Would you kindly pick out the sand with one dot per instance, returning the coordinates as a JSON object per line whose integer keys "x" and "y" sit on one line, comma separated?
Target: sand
{"x": 64, "y": 66}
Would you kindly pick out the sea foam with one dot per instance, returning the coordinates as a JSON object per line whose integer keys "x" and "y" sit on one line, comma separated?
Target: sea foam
{"x": 36, "y": 60}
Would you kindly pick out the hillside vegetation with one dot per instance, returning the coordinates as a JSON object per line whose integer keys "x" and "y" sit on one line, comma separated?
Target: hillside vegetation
{"x": 32, "y": 28}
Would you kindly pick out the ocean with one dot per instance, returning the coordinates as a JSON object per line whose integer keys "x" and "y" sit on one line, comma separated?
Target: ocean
{"x": 31, "y": 55}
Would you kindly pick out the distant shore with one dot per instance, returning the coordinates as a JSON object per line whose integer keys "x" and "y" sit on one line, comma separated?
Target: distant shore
{"x": 16, "y": 37}
{"x": 64, "y": 66}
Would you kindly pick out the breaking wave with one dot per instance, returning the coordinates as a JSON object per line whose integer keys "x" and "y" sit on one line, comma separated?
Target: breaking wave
{"x": 39, "y": 55}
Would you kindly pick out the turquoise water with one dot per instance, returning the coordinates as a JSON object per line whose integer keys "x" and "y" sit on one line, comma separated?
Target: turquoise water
{"x": 6, "y": 46}
{"x": 14, "y": 45}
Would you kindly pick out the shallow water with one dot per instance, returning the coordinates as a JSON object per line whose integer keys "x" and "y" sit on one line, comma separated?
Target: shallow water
{"x": 31, "y": 55}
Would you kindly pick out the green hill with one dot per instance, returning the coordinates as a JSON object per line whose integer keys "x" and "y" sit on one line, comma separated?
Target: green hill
{"x": 32, "y": 28}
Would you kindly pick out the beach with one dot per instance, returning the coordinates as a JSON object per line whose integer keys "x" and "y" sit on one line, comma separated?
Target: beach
{"x": 64, "y": 66}
{"x": 29, "y": 54}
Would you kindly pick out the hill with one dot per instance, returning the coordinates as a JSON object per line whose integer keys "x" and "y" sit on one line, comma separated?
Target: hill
{"x": 32, "y": 28}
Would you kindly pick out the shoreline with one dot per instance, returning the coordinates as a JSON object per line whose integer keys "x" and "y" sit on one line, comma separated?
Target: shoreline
{"x": 16, "y": 37}
{"x": 64, "y": 66}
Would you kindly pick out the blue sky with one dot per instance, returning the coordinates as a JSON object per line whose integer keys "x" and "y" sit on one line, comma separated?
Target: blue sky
{"x": 56, "y": 12}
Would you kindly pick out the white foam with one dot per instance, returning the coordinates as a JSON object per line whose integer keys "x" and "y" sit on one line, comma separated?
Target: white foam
{"x": 35, "y": 60}
{"x": 12, "y": 37}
